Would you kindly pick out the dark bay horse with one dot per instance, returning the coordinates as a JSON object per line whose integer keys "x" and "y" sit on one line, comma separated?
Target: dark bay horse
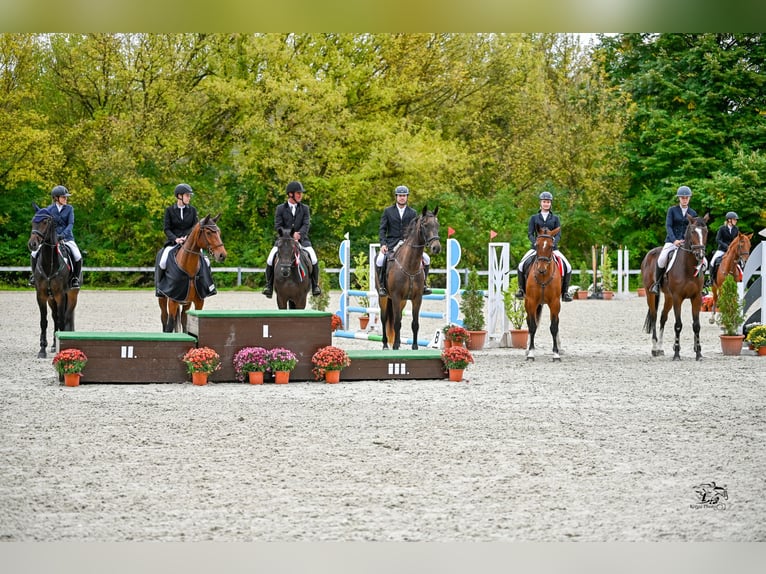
{"x": 52, "y": 276}
{"x": 204, "y": 235}
{"x": 732, "y": 263}
{"x": 683, "y": 279}
{"x": 405, "y": 277}
{"x": 292, "y": 272}
{"x": 543, "y": 288}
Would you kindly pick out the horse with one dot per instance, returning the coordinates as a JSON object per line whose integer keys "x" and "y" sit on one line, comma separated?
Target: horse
{"x": 732, "y": 263}
{"x": 52, "y": 276}
{"x": 405, "y": 277}
{"x": 175, "y": 302}
{"x": 543, "y": 288}
{"x": 684, "y": 278}
{"x": 292, "y": 272}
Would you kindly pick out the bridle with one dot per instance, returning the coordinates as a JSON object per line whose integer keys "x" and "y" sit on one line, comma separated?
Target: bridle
{"x": 427, "y": 241}
{"x": 696, "y": 249}
{"x": 546, "y": 260}
{"x": 202, "y": 231}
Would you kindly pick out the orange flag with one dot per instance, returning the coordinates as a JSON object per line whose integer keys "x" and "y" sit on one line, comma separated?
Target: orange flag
{"x": 492, "y": 234}
{"x": 450, "y": 232}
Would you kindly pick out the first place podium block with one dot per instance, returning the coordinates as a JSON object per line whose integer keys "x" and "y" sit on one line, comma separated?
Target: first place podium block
{"x": 304, "y": 332}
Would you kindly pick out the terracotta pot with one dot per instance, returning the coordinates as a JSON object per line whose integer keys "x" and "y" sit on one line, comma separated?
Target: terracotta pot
{"x": 607, "y": 295}
{"x": 455, "y": 344}
{"x": 281, "y": 377}
{"x": 478, "y": 338}
{"x": 581, "y": 294}
{"x": 519, "y": 338}
{"x": 255, "y": 377}
{"x": 731, "y": 344}
{"x": 456, "y": 374}
{"x": 72, "y": 379}
{"x": 199, "y": 379}
{"x": 363, "y": 321}
{"x": 762, "y": 351}
{"x": 447, "y": 343}
{"x": 332, "y": 376}
{"x": 641, "y": 292}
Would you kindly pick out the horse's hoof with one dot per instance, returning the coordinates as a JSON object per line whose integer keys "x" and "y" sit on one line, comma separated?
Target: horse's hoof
{"x": 530, "y": 358}
{"x": 556, "y": 359}
{"x": 676, "y": 357}
{"x": 41, "y": 354}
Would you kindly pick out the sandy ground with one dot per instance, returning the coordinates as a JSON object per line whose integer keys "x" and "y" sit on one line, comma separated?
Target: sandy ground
{"x": 607, "y": 445}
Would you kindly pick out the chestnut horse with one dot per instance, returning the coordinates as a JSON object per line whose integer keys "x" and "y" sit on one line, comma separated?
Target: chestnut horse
{"x": 684, "y": 278}
{"x": 52, "y": 274}
{"x": 292, "y": 272}
{"x": 732, "y": 263}
{"x": 543, "y": 288}
{"x": 204, "y": 235}
{"x": 405, "y": 277}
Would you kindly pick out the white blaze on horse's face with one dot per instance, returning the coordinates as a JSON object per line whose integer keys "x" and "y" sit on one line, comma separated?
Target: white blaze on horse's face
{"x": 698, "y": 230}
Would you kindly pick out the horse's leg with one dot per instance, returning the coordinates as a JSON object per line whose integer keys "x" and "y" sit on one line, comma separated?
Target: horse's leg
{"x": 170, "y": 324}
{"x": 532, "y": 321}
{"x": 71, "y": 303}
{"x": 677, "y": 302}
{"x": 554, "y": 310}
{"x": 711, "y": 320}
{"x": 163, "y": 302}
{"x": 198, "y": 304}
{"x": 59, "y": 316}
{"x": 696, "y": 304}
{"x": 42, "y": 303}
{"x": 398, "y": 308}
{"x": 415, "y": 321}
{"x": 663, "y": 319}
{"x": 385, "y": 305}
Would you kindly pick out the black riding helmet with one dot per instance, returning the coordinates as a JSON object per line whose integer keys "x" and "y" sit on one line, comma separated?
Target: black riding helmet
{"x": 60, "y": 191}
{"x": 182, "y": 188}
{"x": 294, "y": 186}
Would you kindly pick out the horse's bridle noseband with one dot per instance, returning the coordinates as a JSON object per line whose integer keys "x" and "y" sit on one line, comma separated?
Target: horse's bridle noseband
{"x": 211, "y": 227}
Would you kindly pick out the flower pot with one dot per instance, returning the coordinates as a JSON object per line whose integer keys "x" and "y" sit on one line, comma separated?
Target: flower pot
{"x": 199, "y": 379}
{"x": 363, "y": 321}
{"x": 453, "y": 344}
{"x": 519, "y": 338}
{"x": 72, "y": 379}
{"x": 641, "y": 291}
{"x": 731, "y": 344}
{"x": 255, "y": 377}
{"x": 581, "y": 294}
{"x": 762, "y": 351}
{"x": 456, "y": 374}
{"x": 332, "y": 376}
{"x": 281, "y": 377}
{"x": 447, "y": 343}
{"x": 478, "y": 338}
{"x": 607, "y": 295}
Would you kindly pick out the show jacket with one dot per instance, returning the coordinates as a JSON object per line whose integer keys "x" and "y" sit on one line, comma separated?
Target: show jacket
{"x": 724, "y": 237}
{"x": 551, "y": 223}
{"x": 64, "y": 220}
{"x": 300, "y": 222}
{"x": 392, "y": 227}
{"x": 177, "y": 226}
{"x": 676, "y": 223}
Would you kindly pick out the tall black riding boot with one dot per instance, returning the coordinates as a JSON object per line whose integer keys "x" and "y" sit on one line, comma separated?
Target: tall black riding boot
{"x": 74, "y": 283}
{"x": 33, "y": 261}
{"x": 426, "y": 287}
{"x": 658, "y": 273}
{"x": 269, "y": 289}
{"x": 522, "y": 277}
{"x": 381, "y": 271}
{"x": 315, "y": 290}
{"x": 565, "y": 296}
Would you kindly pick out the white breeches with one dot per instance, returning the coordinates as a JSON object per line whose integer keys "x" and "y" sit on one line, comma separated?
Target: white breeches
{"x": 382, "y": 257}
{"x": 557, "y": 253}
{"x": 76, "y": 255}
{"x": 166, "y": 252}
{"x": 309, "y": 250}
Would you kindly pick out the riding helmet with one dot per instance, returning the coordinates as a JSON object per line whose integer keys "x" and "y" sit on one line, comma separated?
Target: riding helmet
{"x": 294, "y": 186}
{"x": 684, "y": 191}
{"x": 732, "y": 215}
{"x": 402, "y": 190}
{"x": 182, "y": 188}
{"x": 546, "y": 195}
{"x": 59, "y": 191}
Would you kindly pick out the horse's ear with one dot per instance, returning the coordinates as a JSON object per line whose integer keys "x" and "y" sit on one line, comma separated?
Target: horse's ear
{"x": 216, "y": 218}
{"x": 436, "y": 210}
{"x": 37, "y": 207}
{"x": 425, "y": 210}
{"x": 553, "y": 232}
{"x": 707, "y": 216}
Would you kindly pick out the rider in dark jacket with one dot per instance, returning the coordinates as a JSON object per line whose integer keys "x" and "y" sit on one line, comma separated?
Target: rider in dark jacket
{"x": 63, "y": 216}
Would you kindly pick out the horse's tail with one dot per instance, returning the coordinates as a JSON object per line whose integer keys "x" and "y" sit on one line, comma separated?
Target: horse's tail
{"x": 648, "y": 322}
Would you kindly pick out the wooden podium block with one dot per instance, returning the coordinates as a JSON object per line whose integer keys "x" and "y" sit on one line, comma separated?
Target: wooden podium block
{"x": 302, "y": 331}
{"x": 127, "y": 357}
{"x": 383, "y": 365}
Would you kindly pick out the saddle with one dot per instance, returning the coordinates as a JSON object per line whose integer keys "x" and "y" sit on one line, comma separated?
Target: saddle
{"x": 174, "y": 282}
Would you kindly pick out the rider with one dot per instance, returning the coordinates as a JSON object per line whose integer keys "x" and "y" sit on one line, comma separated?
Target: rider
{"x": 393, "y": 224}
{"x": 726, "y": 234}
{"x": 675, "y": 225}
{"x": 63, "y": 216}
{"x": 295, "y": 216}
{"x": 180, "y": 219}
{"x": 544, "y": 218}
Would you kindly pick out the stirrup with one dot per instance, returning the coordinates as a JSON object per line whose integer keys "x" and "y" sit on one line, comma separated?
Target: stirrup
{"x": 382, "y": 292}
{"x": 565, "y": 296}
{"x": 316, "y": 291}
{"x": 520, "y": 294}
{"x": 268, "y": 292}
{"x": 427, "y": 290}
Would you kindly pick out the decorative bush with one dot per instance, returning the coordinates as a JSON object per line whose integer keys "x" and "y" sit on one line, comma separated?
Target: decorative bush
{"x": 320, "y": 302}
{"x": 730, "y": 315}
{"x": 362, "y": 278}
{"x": 514, "y": 308}
{"x": 202, "y": 360}
{"x": 70, "y": 361}
{"x": 329, "y": 358}
{"x": 250, "y": 359}
{"x": 281, "y": 359}
{"x": 456, "y": 334}
{"x": 472, "y": 303}
{"x": 456, "y": 357}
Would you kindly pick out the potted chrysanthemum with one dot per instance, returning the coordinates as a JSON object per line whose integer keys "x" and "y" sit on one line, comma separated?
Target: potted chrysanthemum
{"x": 328, "y": 362}
{"x": 455, "y": 335}
{"x": 281, "y": 362}
{"x": 250, "y": 363}
{"x": 456, "y": 360}
{"x": 70, "y": 363}
{"x": 336, "y": 322}
{"x": 201, "y": 362}
{"x": 756, "y": 338}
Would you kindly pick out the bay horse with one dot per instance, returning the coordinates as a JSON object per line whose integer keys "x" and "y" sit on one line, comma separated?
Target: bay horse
{"x": 732, "y": 263}
{"x": 174, "y": 303}
{"x": 405, "y": 277}
{"x": 684, "y": 278}
{"x": 292, "y": 272}
{"x": 543, "y": 288}
{"x": 52, "y": 275}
